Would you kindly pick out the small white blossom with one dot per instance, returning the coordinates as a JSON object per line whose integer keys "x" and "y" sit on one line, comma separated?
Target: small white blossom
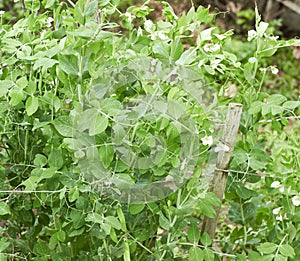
{"x": 162, "y": 36}
{"x": 276, "y": 211}
{"x": 275, "y": 184}
{"x": 274, "y": 70}
{"x": 2, "y": 12}
{"x": 207, "y": 140}
{"x": 273, "y": 37}
{"x": 252, "y": 60}
{"x": 251, "y": 35}
{"x": 296, "y": 201}
{"x": 281, "y": 189}
{"x": 211, "y": 47}
{"x": 279, "y": 218}
{"x": 1, "y": 72}
{"x": 222, "y": 147}
{"x": 139, "y": 31}
{"x": 49, "y": 21}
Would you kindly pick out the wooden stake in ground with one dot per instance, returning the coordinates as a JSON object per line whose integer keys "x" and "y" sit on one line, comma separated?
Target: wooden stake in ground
{"x": 218, "y": 183}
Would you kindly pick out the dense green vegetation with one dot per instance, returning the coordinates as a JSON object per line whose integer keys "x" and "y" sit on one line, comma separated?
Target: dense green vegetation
{"x": 110, "y": 123}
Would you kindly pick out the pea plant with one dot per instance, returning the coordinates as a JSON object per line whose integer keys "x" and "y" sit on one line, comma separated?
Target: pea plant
{"x": 109, "y": 127}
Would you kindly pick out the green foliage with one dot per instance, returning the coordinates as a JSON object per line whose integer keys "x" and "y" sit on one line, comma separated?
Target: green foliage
{"x": 80, "y": 144}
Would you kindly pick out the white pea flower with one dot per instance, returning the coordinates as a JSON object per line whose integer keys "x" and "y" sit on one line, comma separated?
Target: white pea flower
{"x": 2, "y": 12}
{"x": 296, "y": 201}
{"x": 211, "y": 47}
{"x": 279, "y": 218}
{"x": 1, "y": 72}
{"x": 222, "y": 147}
{"x": 275, "y": 184}
{"x": 276, "y": 211}
{"x": 162, "y": 36}
{"x": 251, "y": 35}
{"x": 281, "y": 189}
{"x": 207, "y": 140}
{"x": 274, "y": 38}
{"x": 274, "y": 70}
{"x": 252, "y": 60}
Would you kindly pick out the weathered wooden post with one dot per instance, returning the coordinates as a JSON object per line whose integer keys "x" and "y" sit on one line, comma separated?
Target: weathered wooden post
{"x": 218, "y": 183}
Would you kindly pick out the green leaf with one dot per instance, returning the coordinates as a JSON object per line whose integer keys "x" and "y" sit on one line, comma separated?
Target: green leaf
{"x": 266, "y": 108}
{"x": 267, "y": 248}
{"x": 249, "y": 210}
{"x": 98, "y": 124}
{"x": 106, "y": 153}
{"x": 205, "y": 35}
{"x": 176, "y": 49}
{"x": 267, "y": 258}
{"x": 246, "y": 193}
{"x": 136, "y": 208}
{"x": 53, "y": 241}
{"x": 188, "y": 57}
{"x": 40, "y": 160}
{"x": 275, "y": 110}
{"x": 48, "y": 173}
{"x": 113, "y": 222}
{"x": 287, "y": 250}
{"x": 69, "y": 64}
{"x": 161, "y": 49}
{"x": 106, "y": 228}
{"x": 208, "y": 255}
{"x": 49, "y": 3}
{"x": 3, "y": 246}
{"x": 77, "y": 232}
{"x": 196, "y": 254}
{"x": 164, "y": 222}
{"x": 73, "y": 194}
{"x": 5, "y": 85}
{"x": 61, "y": 235}
{"x": 205, "y": 239}
{"x": 55, "y": 159}
{"x": 253, "y": 255}
{"x": 32, "y": 5}
{"x": 193, "y": 233}
{"x": 175, "y": 109}
{"x": 276, "y": 99}
{"x": 45, "y": 63}
{"x": 291, "y": 105}
{"x": 206, "y": 209}
{"x": 280, "y": 258}
{"x": 92, "y": 120}
{"x": 22, "y": 82}
{"x": 79, "y": 11}
{"x": 31, "y": 183}
{"x": 16, "y": 96}
{"x": 64, "y": 126}
{"x": 241, "y": 257}
{"x": 4, "y": 209}
{"x": 255, "y": 107}
{"x": 31, "y": 105}
{"x": 40, "y": 248}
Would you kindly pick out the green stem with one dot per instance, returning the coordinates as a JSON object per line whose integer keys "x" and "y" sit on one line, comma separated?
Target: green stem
{"x": 244, "y": 226}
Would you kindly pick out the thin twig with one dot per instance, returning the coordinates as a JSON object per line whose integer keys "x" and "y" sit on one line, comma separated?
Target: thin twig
{"x": 71, "y": 3}
{"x": 30, "y": 191}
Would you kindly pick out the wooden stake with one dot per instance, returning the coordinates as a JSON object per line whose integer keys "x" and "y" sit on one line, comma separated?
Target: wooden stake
{"x": 218, "y": 183}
